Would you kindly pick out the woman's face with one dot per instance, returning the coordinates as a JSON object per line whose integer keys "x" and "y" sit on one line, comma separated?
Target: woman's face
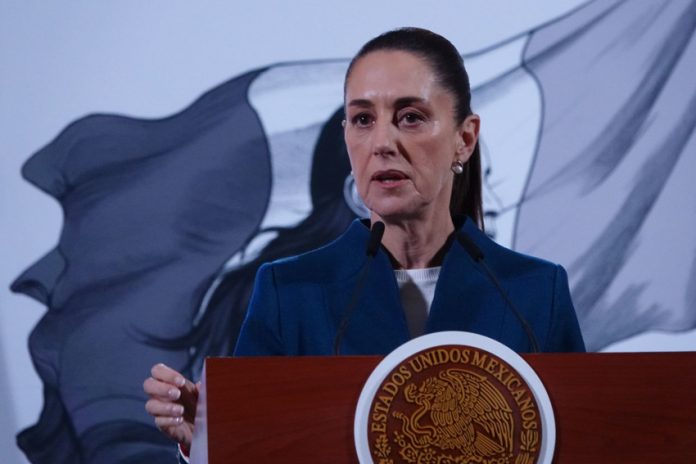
{"x": 402, "y": 137}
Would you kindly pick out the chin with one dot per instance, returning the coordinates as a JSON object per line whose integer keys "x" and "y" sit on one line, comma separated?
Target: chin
{"x": 395, "y": 210}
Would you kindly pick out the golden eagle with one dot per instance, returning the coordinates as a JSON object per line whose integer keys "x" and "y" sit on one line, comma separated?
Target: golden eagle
{"x": 466, "y": 413}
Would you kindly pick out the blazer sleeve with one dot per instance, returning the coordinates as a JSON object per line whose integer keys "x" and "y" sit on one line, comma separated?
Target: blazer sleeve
{"x": 260, "y": 334}
{"x": 564, "y": 330}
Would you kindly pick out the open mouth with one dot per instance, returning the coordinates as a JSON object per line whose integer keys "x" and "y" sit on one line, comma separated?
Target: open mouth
{"x": 389, "y": 177}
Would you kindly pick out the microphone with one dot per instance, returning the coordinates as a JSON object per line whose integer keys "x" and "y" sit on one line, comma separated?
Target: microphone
{"x": 376, "y": 234}
{"x": 373, "y": 243}
{"x": 477, "y": 255}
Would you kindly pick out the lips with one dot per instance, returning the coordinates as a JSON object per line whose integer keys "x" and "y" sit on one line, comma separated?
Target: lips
{"x": 390, "y": 175}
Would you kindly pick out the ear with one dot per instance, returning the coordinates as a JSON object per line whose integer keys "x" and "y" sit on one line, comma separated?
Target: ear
{"x": 467, "y": 136}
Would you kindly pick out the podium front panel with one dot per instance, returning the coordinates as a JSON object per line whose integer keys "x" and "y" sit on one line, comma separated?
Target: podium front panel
{"x": 609, "y": 407}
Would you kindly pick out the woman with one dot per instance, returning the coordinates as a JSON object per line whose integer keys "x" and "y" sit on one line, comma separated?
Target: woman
{"x": 412, "y": 141}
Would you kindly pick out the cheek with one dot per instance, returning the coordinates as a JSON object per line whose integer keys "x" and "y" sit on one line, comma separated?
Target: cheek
{"x": 357, "y": 154}
{"x": 354, "y": 162}
{"x": 436, "y": 156}
{"x": 434, "y": 163}
{"x": 358, "y": 164}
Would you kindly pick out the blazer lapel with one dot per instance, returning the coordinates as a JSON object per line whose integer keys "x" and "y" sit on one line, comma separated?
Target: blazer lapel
{"x": 379, "y": 319}
{"x": 464, "y": 298}
{"x": 376, "y": 324}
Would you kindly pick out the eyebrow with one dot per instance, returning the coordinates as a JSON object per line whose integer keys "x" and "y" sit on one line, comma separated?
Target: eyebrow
{"x": 399, "y": 103}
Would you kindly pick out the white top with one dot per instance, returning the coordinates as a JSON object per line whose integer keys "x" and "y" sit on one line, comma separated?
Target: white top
{"x": 417, "y": 289}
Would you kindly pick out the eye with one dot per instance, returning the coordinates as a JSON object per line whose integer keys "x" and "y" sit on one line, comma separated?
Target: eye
{"x": 361, "y": 120}
{"x": 410, "y": 119}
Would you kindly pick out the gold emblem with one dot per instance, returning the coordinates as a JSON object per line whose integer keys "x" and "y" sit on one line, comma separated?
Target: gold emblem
{"x": 454, "y": 405}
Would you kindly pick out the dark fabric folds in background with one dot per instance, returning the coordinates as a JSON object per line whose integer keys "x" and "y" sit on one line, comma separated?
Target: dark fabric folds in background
{"x": 152, "y": 209}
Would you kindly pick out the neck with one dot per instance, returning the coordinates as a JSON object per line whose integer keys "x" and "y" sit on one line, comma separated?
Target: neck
{"x": 416, "y": 244}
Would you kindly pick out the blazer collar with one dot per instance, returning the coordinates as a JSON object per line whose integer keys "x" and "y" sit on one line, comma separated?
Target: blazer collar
{"x": 464, "y": 298}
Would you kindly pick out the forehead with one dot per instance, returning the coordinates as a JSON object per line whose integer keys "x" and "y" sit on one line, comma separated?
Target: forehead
{"x": 392, "y": 74}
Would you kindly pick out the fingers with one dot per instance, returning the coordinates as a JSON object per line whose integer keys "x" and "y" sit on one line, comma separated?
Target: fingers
{"x": 172, "y": 402}
{"x": 166, "y": 382}
{"x": 165, "y": 414}
{"x": 159, "y": 408}
{"x": 168, "y": 375}
{"x": 159, "y": 389}
{"x": 164, "y": 422}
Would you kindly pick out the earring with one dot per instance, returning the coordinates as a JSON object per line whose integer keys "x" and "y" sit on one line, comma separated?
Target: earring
{"x": 457, "y": 167}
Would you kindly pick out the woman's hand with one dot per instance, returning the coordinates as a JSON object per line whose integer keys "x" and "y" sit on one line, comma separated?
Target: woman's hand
{"x": 172, "y": 403}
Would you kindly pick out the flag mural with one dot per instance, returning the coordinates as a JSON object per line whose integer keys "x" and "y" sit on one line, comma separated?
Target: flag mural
{"x": 610, "y": 194}
{"x": 166, "y": 221}
{"x": 131, "y": 260}
{"x": 165, "y": 224}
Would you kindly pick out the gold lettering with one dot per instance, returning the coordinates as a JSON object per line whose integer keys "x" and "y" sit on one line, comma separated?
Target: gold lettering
{"x": 386, "y": 402}
{"x": 492, "y": 364}
{"x": 479, "y": 359}
{"x": 417, "y": 367}
{"x": 427, "y": 359}
{"x": 515, "y": 381}
{"x": 501, "y": 372}
{"x": 517, "y": 394}
{"x": 405, "y": 372}
{"x": 529, "y": 425}
{"x": 390, "y": 388}
{"x": 455, "y": 356}
{"x": 465, "y": 356}
{"x": 398, "y": 379}
{"x": 378, "y": 426}
{"x": 526, "y": 404}
{"x": 442, "y": 356}
{"x": 529, "y": 415}
{"x": 383, "y": 407}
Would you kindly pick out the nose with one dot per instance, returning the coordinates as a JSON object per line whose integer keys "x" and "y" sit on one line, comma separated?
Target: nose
{"x": 384, "y": 138}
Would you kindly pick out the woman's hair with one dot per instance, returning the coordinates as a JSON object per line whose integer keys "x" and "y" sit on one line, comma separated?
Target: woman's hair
{"x": 448, "y": 67}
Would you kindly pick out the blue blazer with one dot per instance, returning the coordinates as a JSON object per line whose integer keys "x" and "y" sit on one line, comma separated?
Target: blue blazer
{"x": 298, "y": 303}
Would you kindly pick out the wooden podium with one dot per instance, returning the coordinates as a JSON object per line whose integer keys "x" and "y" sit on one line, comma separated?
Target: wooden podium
{"x": 609, "y": 408}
